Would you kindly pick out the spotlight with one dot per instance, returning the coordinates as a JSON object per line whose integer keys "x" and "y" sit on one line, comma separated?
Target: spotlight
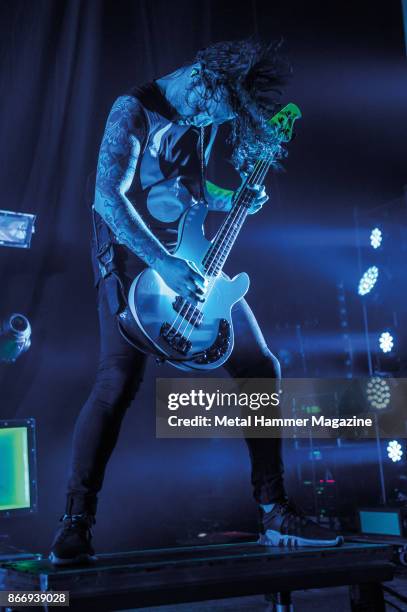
{"x": 16, "y": 229}
{"x": 386, "y": 342}
{"x": 378, "y": 393}
{"x": 394, "y": 451}
{"x": 368, "y": 280}
{"x": 376, "y": 238}
{"x": 15, "y": 337}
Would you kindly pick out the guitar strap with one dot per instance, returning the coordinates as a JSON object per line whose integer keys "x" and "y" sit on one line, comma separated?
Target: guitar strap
{"x": 107, "y": 270}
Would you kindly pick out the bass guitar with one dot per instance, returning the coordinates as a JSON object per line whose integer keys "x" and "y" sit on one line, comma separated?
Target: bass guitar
{"x": 188, "y": 335}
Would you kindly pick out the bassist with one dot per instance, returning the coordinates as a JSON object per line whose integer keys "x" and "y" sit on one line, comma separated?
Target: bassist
{"x": 151, "y": 166}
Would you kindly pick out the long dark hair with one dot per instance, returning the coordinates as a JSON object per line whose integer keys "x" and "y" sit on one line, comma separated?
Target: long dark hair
{"x": 252, "y": 72}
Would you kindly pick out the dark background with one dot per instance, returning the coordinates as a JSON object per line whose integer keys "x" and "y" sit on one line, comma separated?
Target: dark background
{"x": 62, "y": 65}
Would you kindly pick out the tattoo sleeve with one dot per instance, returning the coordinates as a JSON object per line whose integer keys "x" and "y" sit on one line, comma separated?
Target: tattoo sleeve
{"x": 218, "y": 198}
{"x": 118, "y": 155}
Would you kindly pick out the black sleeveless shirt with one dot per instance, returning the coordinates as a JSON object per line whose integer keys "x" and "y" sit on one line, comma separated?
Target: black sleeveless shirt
{"x": 167, "y": 180}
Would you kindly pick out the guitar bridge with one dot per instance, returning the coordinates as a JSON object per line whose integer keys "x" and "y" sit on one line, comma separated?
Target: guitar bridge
{"x": 188, "y": 311}
{"x": 174, "y": 339}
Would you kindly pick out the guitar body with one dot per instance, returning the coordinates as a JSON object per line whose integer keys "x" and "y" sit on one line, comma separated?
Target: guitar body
{"x": 198, "y": 336}
{"x": 190, "y": 336}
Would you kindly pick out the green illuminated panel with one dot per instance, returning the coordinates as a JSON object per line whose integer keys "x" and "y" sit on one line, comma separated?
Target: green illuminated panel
{"x": 384, "y": 523}
{"x": 14, "y": 470}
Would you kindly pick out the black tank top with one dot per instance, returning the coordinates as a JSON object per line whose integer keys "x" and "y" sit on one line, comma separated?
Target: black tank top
{"x": 167, "y": 180}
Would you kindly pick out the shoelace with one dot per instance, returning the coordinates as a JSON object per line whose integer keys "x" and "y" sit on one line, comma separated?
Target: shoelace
{"x": 293, "y": 517}
{"x": 77, "y": 517}
{"x": 72, "y": 520}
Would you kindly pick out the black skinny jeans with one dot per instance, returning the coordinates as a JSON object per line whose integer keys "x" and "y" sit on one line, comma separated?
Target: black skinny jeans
{"x": 119, "y": 375}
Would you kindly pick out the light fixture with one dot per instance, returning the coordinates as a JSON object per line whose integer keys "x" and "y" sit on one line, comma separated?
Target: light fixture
{"x": 386, "y": 342}
{"x": 16, "y": 229}
{"x": 15, "y": 337}
{"x": 368, "y": 280}
{"x": 376, "y": 238}
{"x": 394, "y": 451}
{"x": 378, "y": 393}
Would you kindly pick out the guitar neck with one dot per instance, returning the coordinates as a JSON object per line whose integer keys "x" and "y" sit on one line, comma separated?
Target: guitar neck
{"x": 224, "y": 240}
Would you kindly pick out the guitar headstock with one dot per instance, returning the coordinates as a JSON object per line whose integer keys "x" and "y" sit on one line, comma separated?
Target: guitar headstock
{"x": 284, "y": 120}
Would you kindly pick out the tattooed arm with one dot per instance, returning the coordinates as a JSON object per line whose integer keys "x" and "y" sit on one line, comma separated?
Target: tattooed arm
{"x": 118, "y": 157}
{"x": 117, "y": 163}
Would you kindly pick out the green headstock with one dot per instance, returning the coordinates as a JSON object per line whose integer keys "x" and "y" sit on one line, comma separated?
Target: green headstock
{"x": 283, "y": 121}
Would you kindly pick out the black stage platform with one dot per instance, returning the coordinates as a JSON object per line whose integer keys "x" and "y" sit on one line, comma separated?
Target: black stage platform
{"x": 174, "y": 575}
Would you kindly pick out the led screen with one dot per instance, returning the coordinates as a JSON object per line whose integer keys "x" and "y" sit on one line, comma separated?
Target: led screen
{"x": 14, "y": 469}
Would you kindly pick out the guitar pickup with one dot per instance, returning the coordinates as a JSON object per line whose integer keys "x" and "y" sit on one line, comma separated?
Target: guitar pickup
{"x": 188, "y": 311}
{"x": 174, "y": 339}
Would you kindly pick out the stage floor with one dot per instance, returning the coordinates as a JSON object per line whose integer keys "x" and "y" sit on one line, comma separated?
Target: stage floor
{"x": 184, "y": 574}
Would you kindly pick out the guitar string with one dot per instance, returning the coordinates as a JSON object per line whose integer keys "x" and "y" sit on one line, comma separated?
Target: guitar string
{"x": 202, "y": 198}
{"x": 265, "y": 165}
{"x": 185, "y": 302}
{"x": 261, "y": 168}
{"x": 237, "y": 216}
{"x": 257, "y": 176}
{"x": 241, "y": 212}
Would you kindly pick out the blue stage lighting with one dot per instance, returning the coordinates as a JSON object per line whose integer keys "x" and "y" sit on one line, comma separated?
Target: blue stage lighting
{"x": 394, "y": 451}
{"x": 368, "y": 280}
{"x": 376, "y": 238}
{"x": 378, "y": 393}
{"x": 386, "y": 342}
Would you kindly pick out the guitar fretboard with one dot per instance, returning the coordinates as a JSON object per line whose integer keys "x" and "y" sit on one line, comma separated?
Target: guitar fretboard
{"x": 224, "y": 240}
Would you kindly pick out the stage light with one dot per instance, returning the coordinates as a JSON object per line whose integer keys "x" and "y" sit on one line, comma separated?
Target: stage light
{"x": 16, "y": 229}
{"x": 376, "y": 238}
{"x": 15, "y": 337}
{"x": 368, "y": 280}
{"x": 394, "y": 451}
{"x": 386, "y": 342}
{"x": 378, "y": 393}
